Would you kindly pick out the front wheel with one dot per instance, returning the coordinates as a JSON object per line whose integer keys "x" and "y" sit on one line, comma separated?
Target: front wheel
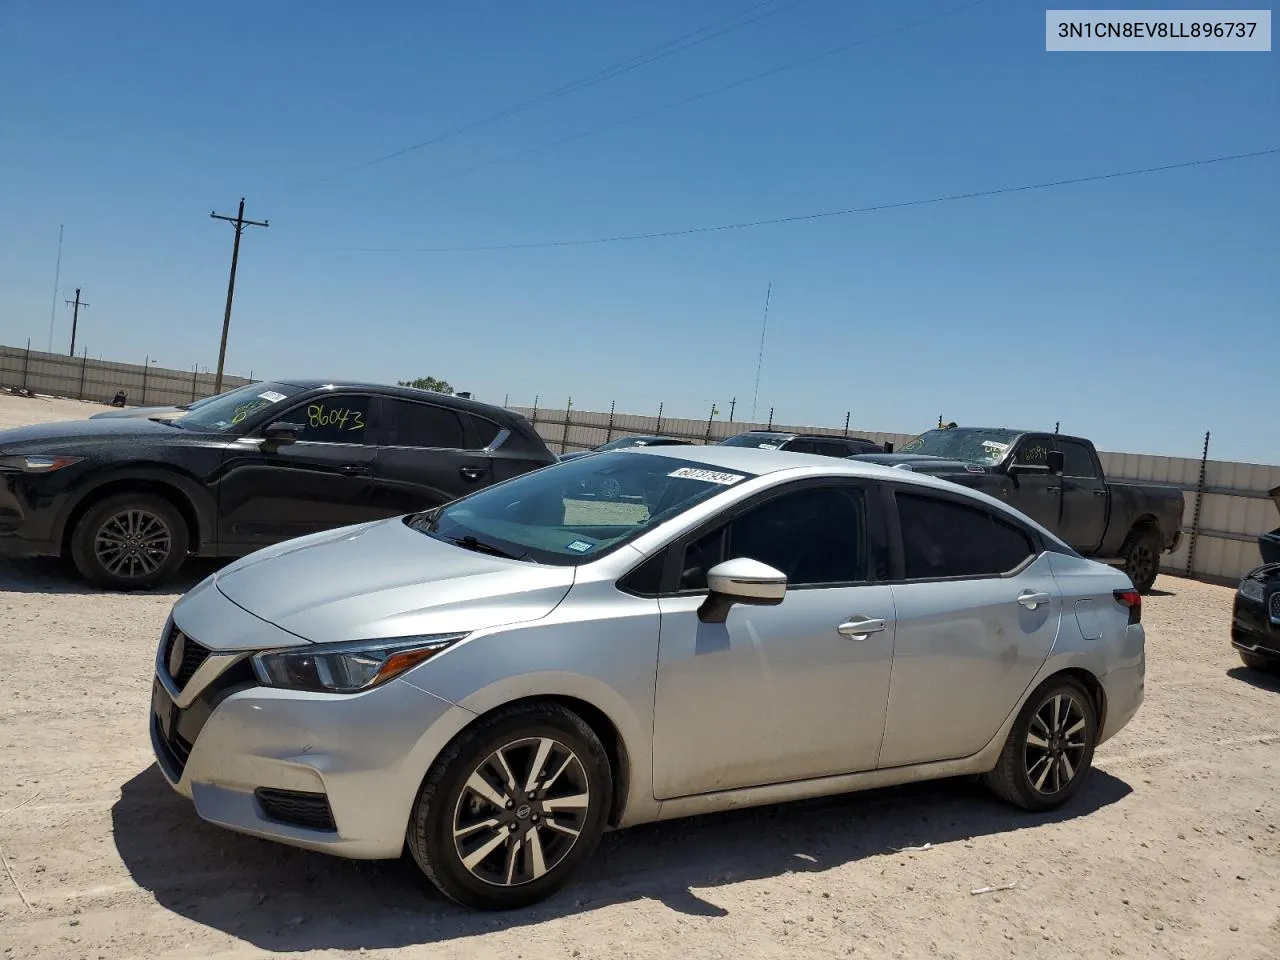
{"x": 130, "y": 541}
{"x": 1050, "y": 748}
{"x": 512, "y": 808}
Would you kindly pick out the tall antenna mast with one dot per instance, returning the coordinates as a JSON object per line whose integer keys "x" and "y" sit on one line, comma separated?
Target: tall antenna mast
{"x": 755, "y": 396}
{"x": 57, "y": 276}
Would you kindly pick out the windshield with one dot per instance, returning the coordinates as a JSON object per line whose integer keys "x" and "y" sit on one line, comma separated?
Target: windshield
{"x": 227, "y": 410}
{"x": 972, "y": 444}
{"x": 764, "y": 441}
{"x": 578, "y": 510}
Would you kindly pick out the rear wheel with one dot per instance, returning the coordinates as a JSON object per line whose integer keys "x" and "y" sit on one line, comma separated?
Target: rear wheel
{"x": 1050, "y": 748}
{"x": 1142, "y": 559}
{"x": 512, "y": 808}
{"x": 130, "y": 541}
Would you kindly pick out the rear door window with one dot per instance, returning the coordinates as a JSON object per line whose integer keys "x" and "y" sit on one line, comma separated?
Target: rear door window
{"x": 1077, "y": 461}
{"x": 409, "y": 423}
{"x": 942, "y": 538}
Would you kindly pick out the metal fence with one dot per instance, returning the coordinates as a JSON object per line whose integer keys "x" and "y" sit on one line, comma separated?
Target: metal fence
{"x": 1226, "y": 505}
{"x": 80, "y": 378}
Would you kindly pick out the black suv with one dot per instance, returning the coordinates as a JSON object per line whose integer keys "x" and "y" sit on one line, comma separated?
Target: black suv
{"x": 127, "y": 499}
{"x": 804, "y": 443}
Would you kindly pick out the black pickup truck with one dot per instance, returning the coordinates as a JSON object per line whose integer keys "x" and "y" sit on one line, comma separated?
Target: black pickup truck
{"x": 1058, "y": 482}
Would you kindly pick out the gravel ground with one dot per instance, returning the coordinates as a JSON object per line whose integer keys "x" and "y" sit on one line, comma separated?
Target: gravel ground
{"x": 1172, "y": 850}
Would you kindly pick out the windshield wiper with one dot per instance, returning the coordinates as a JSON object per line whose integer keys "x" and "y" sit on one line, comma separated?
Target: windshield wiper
{"x": 471, "y": 543}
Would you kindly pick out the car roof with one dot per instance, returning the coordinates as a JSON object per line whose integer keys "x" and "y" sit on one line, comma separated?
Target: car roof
{"x": 406, "y": 393}
{"x": 763, "y": 462}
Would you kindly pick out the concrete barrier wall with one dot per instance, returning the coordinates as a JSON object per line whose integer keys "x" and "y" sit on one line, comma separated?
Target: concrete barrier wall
{"x": 1234, "y": 506}
{"x": 81, "y": 378}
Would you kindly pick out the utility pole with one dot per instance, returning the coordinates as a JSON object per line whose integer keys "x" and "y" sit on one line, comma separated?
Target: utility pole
{"x": 75, "y": 306}
{"x": 240, "y": 223}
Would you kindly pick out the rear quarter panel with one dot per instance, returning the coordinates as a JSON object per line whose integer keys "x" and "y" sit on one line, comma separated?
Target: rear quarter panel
{"x": 1132, "y": 503}
{"x": 1096, "y": 636}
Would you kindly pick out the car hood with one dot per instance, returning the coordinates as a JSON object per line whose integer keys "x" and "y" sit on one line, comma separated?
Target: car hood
{"x": 143, "y": 412}
{"x": 574, "y": 455}
{"x": 90, "y": 429}
{"x": 385, "y": 579}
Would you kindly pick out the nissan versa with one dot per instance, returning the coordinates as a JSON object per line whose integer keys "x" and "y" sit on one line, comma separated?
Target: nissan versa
{"x": 494, "y": 682}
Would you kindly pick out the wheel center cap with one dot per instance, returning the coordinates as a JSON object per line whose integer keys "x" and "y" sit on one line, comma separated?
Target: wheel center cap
{"x": 524, "y": 811}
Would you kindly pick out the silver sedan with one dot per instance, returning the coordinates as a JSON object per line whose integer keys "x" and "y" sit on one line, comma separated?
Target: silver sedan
{"x": 494, "y": 683}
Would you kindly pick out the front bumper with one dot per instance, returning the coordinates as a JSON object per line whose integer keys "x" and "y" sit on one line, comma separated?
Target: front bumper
{"x": 358, "y": 758}
{"x": 1253, "y": 629}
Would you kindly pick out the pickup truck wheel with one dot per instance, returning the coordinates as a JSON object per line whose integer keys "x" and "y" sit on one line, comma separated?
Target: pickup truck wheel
{"x": 1142, "y": 559}
{"x": 130, "y": 541}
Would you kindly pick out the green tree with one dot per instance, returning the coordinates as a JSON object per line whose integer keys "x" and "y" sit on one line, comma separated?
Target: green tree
{"x": 428, "y": 383}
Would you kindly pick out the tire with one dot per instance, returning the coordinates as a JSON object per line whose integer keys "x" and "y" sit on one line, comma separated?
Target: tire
{"x": 1142, "y": 558}
{"x": 149, "y": 558}
{"x": 511, "y": 874}
{"x": 1261, "y": 664}
{"x": 1022, "y": 765}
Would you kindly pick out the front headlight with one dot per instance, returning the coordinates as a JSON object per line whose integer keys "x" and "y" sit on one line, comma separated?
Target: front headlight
{"x": 1251, "y": 589}
{"x": 347, "y": 667}
{"x": 37, "y": 463}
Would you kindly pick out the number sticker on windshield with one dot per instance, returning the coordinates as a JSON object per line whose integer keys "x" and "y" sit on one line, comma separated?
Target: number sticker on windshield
{"x": 272, "y": 396}
{"x": 708, "y": 476}
{"x": 578, "y": 546}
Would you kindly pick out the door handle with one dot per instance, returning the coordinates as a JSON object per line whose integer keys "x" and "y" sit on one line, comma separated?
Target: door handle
{"x": 353, "y": 469}
{"x": 1052, "y": 489}
{"x": 1031, "y": 599}
{"x": 1099, "y": 492}
{"x": 471, "y": 473}
{"x": 860, "y": 629}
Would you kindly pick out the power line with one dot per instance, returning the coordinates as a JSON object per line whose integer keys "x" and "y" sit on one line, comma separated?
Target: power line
{"x": 660, "y": 52}
{"x": 827, "y": 214}
{"x": 714, "y": 91}
{"x": 239, "y": 222}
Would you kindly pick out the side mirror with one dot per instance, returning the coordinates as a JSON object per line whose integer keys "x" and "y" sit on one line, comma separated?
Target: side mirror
{"x": 741, "y": 580}
{"x": 1056, "y": 462}
{"x": 281, "y": 433}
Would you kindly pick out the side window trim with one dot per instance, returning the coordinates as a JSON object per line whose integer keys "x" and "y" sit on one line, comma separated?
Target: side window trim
{"x": 876, "y": 534}
{"x": 368, "y": 436}
{"x": 898, "y": 550}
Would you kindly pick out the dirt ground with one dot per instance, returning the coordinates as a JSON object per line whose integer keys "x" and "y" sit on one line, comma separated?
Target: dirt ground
{"x": 1172, "y": 850}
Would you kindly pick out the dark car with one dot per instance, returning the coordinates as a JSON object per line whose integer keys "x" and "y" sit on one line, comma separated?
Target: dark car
{"x": 622, "y": 443}
{"x": 1057, "y": 481}
{"x": 820, "y": 444}
{"x": 1255, "y": 618}
{"x": 128, "y": 499}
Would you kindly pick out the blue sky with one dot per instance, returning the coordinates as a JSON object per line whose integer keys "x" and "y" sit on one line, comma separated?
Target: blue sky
{"x": 1140, "y": 311}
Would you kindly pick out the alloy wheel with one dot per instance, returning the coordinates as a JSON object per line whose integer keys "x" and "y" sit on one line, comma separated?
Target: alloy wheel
{"x": 133, "y": 543}
{"x": 521, "y": 811}
{"x": 1056, "y": 744}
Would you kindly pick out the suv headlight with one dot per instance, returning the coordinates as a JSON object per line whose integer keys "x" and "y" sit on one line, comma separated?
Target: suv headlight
{"x": 347, "y": 667}
{"x": 1251, "y": 589}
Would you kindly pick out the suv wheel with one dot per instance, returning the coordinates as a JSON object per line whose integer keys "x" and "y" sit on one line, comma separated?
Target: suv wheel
{"x": 130, "y": 541}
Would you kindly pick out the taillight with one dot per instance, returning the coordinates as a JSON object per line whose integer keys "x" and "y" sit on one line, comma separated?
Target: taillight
{"x": 1131, "y": 599}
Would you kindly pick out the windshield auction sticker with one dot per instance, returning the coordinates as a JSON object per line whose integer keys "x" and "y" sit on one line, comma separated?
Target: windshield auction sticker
{"x": 707, "y": 476}
{"x": 1134, "y": 31}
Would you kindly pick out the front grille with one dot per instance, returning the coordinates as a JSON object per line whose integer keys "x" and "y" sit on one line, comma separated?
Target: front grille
{"x": 1274, "y": 608}
{"x": 193, "y": 655}
{"x": 295, "y": 808}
